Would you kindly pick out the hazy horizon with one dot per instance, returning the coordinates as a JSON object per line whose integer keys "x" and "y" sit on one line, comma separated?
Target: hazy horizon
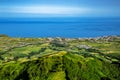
{"x": 59, "y": 8}
{"x": 59, "y": 18}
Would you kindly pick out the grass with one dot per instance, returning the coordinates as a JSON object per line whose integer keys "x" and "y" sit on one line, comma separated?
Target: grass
{"x": 44, "y": 59}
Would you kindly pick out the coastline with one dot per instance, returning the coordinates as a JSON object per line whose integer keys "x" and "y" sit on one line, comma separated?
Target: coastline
{"x": 57, "y": 57}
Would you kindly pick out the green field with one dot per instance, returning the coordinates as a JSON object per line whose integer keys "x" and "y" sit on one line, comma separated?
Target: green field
{"x": 60, "y": 58}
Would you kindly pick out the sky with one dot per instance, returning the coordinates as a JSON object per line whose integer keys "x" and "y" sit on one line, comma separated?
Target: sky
{"x": 59, "y": 8}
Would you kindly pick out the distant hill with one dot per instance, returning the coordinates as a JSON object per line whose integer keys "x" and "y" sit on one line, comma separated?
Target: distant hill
{"x": 60, "y": 58}
{"x": 3, "y": 35}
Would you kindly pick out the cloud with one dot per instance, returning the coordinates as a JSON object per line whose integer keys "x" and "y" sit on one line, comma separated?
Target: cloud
{"x": 56, "y": 11}
{"x": 45, "y": 10}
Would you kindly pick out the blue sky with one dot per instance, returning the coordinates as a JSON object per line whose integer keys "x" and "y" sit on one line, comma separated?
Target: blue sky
{"x": 59, "y": 8}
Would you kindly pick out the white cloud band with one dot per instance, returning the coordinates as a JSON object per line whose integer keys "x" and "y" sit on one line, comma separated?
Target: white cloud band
{"x": 45, "y": 10}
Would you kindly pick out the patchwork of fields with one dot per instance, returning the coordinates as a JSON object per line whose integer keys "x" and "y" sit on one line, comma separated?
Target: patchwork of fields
{"x": 60, "y": 58}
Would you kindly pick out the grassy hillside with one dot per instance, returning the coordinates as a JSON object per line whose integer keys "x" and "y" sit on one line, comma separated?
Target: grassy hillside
{"x": 60, "y": 58}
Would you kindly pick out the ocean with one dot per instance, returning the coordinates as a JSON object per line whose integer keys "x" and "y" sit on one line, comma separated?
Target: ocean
{"x": 70, "y": 28}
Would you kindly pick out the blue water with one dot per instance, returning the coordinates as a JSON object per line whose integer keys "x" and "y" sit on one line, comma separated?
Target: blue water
{"x": 71, "y": 29}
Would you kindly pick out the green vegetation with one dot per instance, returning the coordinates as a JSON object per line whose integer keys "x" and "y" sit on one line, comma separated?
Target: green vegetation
{"x": 60, "y": 58}
{"x": 3, "y": 35}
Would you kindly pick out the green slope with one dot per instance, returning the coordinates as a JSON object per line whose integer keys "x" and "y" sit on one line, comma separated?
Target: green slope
{"x": 59, "y": 59}
{"x": 61, "y": 67}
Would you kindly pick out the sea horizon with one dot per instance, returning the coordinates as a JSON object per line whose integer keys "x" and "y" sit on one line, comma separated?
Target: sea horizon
{"x": 60, "y": 27}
